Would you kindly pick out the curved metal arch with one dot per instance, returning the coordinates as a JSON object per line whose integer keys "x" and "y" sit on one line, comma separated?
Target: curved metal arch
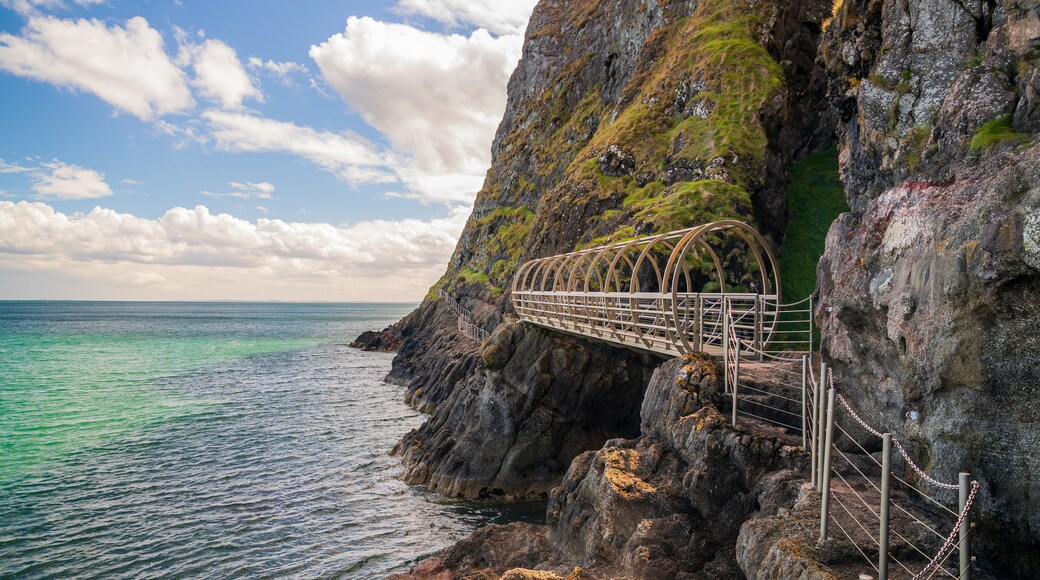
{"x": 593, "y": 290}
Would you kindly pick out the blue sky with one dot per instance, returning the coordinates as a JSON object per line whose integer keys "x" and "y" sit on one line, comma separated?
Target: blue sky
{"x": 244, "y": 149}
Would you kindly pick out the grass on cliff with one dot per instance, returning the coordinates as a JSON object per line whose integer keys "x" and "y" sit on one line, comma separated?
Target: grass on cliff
{"x": 715, "y": 50}
{"x": 996, "y": 132}
{"x": 815, "y": 198}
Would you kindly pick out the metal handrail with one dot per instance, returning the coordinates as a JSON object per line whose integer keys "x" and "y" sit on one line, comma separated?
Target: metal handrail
{"x": 465, "y": 322}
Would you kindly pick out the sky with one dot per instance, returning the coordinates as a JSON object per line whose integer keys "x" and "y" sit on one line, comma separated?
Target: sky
{"x": 244, "y": 149}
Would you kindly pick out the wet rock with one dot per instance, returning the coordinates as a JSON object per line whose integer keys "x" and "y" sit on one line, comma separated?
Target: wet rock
{"x": 386, "y": 340}
{"x": 513, "y": 427}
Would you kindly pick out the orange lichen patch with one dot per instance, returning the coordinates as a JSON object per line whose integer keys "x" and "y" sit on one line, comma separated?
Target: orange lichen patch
{"x": 525, "y": 574}
{"x": 618, "y": 471}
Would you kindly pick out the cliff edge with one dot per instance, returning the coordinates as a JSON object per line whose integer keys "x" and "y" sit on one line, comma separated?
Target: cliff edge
{"x": 629, "y": 118}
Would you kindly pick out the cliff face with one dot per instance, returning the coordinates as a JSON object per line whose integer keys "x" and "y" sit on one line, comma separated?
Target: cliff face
{"x": 627, "y": 118}
{"x": 623, "y": 118}
{"x": 931, "y": 286}
{"x": 668, "y": 504}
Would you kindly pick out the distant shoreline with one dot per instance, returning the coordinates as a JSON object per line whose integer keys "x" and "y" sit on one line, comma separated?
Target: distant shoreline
{"x": 415, "y": 302}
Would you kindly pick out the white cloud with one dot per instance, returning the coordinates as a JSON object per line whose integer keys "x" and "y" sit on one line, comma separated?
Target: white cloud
{"x": 498, "y": 16}
{"x": 438, "y": 98}
{"x": 26, "y": 7}
{"x": 284, "y": 71}
{"x": 63, "y": 181}
{"x": 220, "y": 76}
{"x": 6, "y": 167}
{"x": 194, "y": 253}
{"x": 246, "y": 190}
{"x": 346, "y": 154}
{"x": 182, "y": 135}
{"x": 125, "y": 66}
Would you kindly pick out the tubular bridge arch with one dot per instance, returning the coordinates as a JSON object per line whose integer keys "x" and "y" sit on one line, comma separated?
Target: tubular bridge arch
{"x": 658, "y": 293}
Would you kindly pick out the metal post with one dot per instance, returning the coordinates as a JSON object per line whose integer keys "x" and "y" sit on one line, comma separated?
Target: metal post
{"x": 821, "y": 424}
{"x": 805, "y": 379}
{"x": 886, "y": 473}
{"x": 725, "y": 341}
{"x": 758, "y": 326}
{"x": 825, "y": 476}
{"x": 812, "y": 330}
{"x": 736, "y": 378}
{"x": 699, "y": 320}
{"x": 965, "y": 546}
{"x": 814, "y": 447}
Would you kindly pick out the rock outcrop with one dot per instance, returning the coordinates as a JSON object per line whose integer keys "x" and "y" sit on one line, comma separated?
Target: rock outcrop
{"x": 627, "y": 118}
{"x": 537, "y": 400}
{"x": 931, "y": 287}
{"x": 667, "y": 504}
{"x": 386, "y": 340}
{"x": 622, "y": 118}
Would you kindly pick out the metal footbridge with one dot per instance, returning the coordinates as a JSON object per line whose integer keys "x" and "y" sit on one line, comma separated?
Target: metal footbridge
{"x": 669, "y": 294}
{"x": 715, "y": 288}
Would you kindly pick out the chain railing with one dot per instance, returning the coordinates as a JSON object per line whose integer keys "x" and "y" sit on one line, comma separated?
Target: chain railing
{"x": 871, "y": 487}
{"x": 466, "y": 324}
{"x": 782, "y": 389}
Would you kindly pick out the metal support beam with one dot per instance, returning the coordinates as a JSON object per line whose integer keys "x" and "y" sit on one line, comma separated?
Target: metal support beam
{"x": 821, "y": 425}
{"x": 965, "y": 544}
{"x": 825, "y": 476}
{"x": 736, "y": 378}
{"x": 886, "y": 474}
{"x": 725, "y": 341}
{"x": 805, "y": 379}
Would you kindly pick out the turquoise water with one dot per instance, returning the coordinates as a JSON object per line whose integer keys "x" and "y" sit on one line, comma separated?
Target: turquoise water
{"x": 208, "y": 440}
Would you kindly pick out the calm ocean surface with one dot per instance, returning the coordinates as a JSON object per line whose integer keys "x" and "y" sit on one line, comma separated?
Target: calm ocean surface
{"x": 213, "y": 440}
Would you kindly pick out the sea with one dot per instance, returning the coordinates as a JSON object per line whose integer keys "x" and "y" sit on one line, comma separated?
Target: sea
{"x": 210, "y": 440}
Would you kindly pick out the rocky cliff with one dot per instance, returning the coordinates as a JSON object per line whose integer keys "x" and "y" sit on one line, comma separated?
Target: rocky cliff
{"x": 623, "y": 118}
{"x": 931, "y": 285}
{"x": 627, "y": 118}
{"x": 668, "y": 504}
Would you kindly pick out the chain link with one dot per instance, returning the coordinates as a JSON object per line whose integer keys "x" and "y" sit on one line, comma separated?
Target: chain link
{"x": 897, "y": 443}
{"x": 951, "y": 539}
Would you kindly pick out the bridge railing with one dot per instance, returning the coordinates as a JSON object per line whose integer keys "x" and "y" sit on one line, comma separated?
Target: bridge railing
{"x": 926, "y": 531}
{"x": 668, "y": 323}
{"x": 465, "y": 322}
{"x": 876, "y": 501}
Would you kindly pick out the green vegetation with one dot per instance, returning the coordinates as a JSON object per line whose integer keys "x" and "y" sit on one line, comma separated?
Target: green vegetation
{"x": 916, "y": 141}
{"x": 717, "y": 48}
{"x": 689, "y": 203}
{"x": 506, "y": 229}
{"x": 690, "y": 110}
{"x": 471, "y": 276}
{"x": 996, "y": 132}
{"x": 815, "y": 197}
{"x": 714, "y": 57}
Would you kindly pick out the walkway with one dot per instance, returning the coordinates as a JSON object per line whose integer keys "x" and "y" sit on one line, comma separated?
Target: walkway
{"x": 668, "y": 294}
